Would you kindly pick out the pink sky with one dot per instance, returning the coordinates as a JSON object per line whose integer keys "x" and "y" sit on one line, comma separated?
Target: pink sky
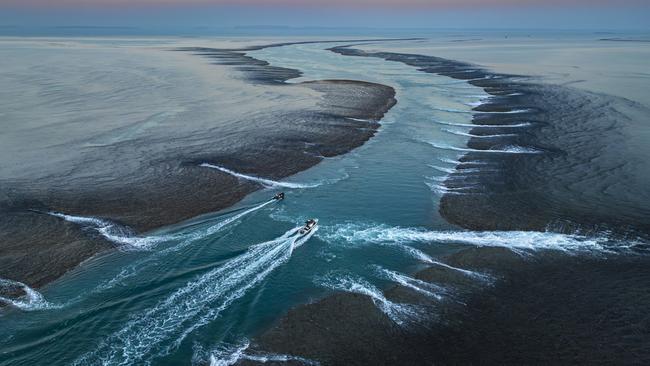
{"x": 325, "y": 3}
{"x": 168, "y": 14}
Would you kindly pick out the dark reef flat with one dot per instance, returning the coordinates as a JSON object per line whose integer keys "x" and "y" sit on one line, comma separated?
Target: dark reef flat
{"x": 37, "y": 248}
{"x": 545, "y": 309}
{"x": 557, "y": 156}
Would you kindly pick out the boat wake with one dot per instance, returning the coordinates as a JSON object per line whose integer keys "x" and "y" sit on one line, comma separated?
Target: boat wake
{"x": 137, "y": 267}
{"x": 31, "y": 300}
{"x": 162, "y": 328}
{"x": 268, "y": 183}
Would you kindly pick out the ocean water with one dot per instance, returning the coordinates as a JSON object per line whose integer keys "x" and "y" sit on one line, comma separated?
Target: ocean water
{"x": 200, "y": 290}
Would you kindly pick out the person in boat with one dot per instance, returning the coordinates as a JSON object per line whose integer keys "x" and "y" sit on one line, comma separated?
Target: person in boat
{"x": 309, "y": 224}
{"x": 279, "y": 196}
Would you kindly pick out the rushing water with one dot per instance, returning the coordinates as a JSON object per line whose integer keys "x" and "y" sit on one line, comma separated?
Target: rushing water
{"x": 197, "y": 291}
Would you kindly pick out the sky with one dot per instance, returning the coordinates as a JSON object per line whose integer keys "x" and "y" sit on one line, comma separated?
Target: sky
{"x": 179, "y": 16}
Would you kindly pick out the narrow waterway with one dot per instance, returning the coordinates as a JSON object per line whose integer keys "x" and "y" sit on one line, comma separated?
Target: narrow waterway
{"x": 188, "y": 292}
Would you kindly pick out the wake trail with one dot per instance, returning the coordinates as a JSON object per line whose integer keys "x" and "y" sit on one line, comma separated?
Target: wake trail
{"x": 160, "y": 329}
{"x": 137, "y": 267}
{"x": 265, "y": 182}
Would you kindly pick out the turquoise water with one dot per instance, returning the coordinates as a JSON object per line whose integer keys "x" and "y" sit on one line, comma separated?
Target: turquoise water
{"x": 188, "y": 293}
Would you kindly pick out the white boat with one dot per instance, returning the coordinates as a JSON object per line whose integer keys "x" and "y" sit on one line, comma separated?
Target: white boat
{"x": 309, "y": 226}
